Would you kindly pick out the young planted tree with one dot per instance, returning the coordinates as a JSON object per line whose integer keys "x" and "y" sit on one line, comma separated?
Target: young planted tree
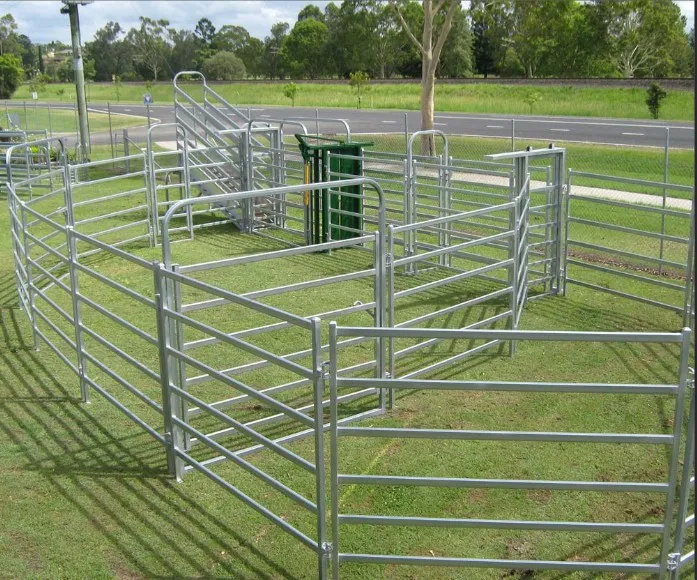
{"x": 531, "y": 97}
{"x": 290, "y": 91}
{"x": 437, "y": 22}
{"x": 654, "y": 95}
{"x": 358, "y": 82}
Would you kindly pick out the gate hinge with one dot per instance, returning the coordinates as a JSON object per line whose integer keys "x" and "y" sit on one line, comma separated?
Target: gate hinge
{"x": 388, "y": 259}
{"x": 673, "y": 561}
{"x": 690, "y": 378}
{"x": 326, "y": 548}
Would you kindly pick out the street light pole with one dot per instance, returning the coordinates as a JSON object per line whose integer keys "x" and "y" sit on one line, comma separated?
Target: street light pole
{"x": 78, "y": 70}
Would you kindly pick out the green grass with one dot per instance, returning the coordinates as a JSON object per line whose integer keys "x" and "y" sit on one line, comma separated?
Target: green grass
{"x": 470, "y": 98}
{"x": 65, "y": 121}
{"x": 87, "y": 494}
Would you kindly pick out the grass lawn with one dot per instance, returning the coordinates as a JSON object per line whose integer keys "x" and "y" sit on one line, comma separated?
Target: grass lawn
{"x": 636, "y": 163}
{"x": 471, "y": 98}
{"x": 87, "y": 491}
{"x": 65, "y": 121}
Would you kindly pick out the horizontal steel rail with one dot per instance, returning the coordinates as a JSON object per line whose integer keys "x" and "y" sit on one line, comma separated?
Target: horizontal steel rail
{"x": 495, "y": 563}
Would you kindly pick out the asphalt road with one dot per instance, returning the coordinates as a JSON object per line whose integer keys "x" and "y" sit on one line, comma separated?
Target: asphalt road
{"x": 585, "y": 130}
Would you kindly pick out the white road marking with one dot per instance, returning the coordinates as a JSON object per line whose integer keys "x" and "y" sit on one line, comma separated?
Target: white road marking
{"x": 635, "y": 134}
{"x": 495, "y": 127}
{"x": 441, "y": 124}
{"x": 389, "y": 121}
{"x": 127, "y": 110}
{"x": 264, "y": 115}
{"x": 561, "y": 130}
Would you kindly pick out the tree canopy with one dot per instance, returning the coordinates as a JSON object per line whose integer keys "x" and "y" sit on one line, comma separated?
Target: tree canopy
{"x": 531, "y": 38}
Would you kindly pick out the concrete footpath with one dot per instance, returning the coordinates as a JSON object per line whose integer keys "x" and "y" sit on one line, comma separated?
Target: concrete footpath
{"x": 576, "y": 190}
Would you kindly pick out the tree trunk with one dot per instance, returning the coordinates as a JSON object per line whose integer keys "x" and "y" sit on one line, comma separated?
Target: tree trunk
{"x": 428, "y": 82}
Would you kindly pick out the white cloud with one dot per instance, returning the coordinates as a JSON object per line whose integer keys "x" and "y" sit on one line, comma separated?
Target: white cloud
{"x": 43, "y": 22}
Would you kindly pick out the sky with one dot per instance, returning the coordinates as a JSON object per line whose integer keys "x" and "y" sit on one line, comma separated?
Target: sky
{"x": 42, "y": 22}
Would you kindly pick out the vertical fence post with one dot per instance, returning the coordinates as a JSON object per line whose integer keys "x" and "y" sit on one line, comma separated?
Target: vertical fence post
{"x": 17, "y": 250}
{"x": 567, "y": 223}
{"x": 126, "y": 151}
{"x": 512, "y": 134}
{"x": 389, "y": 272}
{"x": 334, "y": 449}
{"x": 151, "y": 199}
{"x": 406, "y": 131}
{"x": 320, "y": 376}
{"x": 181, "y": 365}
{"x": 50, "y": 125}
{"x": 147, "y": 108}
{"x": 688, "y": 304}
{"x": 379, "y": 318}
{"x": 548, "y": 234}
{"x": 513, "y": 225}
{"x": 187, "y": 187}
{"x": 675, "y": 450}
{"x": 26, "y": 121}
{"x": 77, "y": 312}
{"x": 557, "y": 271}
{"x": 442, "y": 207}
{"x": 169, "y": 399}
{"x": 685, "y": 483}
{"x": 449, "y": 204}
{"x": 316, "y": 121}
{"x": 30, "y": 282}
{"x": 407, "y": 205}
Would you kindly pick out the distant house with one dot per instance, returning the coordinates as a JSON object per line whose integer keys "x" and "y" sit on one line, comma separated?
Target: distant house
{"x": 54, "y": 58}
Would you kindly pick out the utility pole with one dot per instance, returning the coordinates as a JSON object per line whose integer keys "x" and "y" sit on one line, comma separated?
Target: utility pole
{"x": 70, "y": 8}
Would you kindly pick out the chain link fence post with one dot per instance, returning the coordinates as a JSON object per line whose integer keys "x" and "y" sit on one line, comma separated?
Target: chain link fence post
{"x": 111, "y": 133}
{"x": 666, "y": 155}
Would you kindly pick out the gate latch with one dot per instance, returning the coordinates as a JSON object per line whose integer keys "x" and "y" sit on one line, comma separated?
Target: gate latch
{"x": 673, "y": 561}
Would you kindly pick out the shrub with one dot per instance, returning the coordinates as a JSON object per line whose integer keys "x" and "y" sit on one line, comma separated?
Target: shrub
{"x": 655, "y": 94}
{"x": 11, "y": 75}
{"x": 224, "y": 66}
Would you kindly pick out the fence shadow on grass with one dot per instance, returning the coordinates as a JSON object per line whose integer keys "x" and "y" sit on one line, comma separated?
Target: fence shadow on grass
{"x": 117, "y": 483}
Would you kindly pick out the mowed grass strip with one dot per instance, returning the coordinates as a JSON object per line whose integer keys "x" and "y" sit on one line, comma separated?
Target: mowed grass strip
{"x": 64, "y": 120}
{"x": 564, "y": 100}
{"x": 90, "y": 496}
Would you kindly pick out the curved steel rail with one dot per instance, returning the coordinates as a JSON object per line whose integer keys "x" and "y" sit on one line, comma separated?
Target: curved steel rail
{"x": 166, "y": 253}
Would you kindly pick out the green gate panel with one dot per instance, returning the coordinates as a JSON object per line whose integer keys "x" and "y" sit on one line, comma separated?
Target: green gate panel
{"x": 324, "y": 223}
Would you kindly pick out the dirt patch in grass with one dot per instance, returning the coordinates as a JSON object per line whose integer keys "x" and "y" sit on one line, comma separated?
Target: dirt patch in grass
{"x": 605, "y": 261}
{"x": 541, "y": 496}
